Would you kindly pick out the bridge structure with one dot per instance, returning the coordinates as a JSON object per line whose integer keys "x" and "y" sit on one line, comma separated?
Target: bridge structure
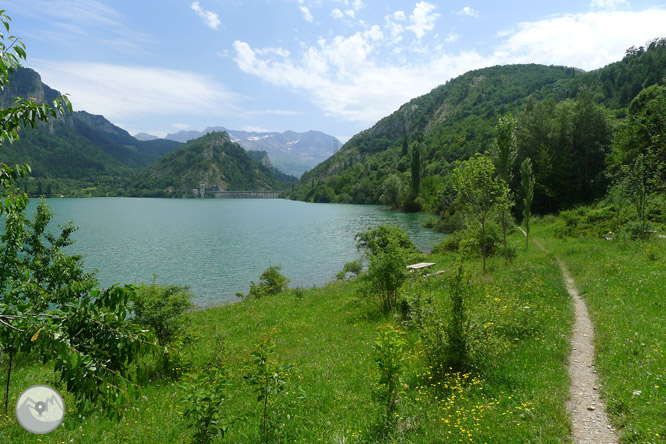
{"x": 244, "y": 194}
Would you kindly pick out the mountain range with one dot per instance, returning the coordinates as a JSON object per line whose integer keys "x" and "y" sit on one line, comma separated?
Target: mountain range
{"x": 291, "y": 152}
{"x": 82, "y": 154}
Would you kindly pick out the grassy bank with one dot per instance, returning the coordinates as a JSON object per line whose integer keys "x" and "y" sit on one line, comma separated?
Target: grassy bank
{"x": 515, "y": 391}
{"x": 622, "y": 283}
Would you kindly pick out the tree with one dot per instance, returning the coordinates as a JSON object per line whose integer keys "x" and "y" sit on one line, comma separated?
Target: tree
{"x": 592, "y": 137}
{"x": 47, "y": 302}
{"x": 527, "y": 182}
{"x": 644, "y": 132}
{"x": 505, "y": 147}
{"x": 640, "y": 181}
{"x": 392, "y": 190}
{"x": 388, "y": 250}
{"x": 480, "y": 192}
{"x": 411, "y": 202}
{"x": 416, "y": 168}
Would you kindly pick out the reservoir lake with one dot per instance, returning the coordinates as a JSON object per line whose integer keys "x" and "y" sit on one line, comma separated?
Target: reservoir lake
{"x": 217, "y": 246}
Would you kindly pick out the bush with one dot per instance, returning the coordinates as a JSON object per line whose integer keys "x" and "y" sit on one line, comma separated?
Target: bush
{"x": 270, "y": 381}
{"x": 449, "y": 244}
{"x": 445, "y": 332}
{"x": 205, "y": 394}
{"x": 270, "y": 282}
{"x": 353, "y": 267}
{"x": 376, "y": 239}
{"x": 389, "y": 250}
{"x": 389, "y": 354}
{"x": 161, "y": 309}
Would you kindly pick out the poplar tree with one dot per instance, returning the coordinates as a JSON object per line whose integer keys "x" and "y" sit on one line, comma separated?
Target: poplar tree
{"x": 505, "y": 147}
{"x": 527, "y": 182}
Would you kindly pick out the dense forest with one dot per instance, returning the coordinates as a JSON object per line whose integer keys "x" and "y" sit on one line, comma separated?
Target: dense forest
{"x": 571, "y": 124}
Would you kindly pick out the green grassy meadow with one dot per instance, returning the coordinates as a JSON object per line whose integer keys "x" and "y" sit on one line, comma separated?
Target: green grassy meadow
{"x": 520, "y": 319}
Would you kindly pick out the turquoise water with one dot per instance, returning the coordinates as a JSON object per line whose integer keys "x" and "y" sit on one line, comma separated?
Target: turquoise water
{"x": 217, "y": 246}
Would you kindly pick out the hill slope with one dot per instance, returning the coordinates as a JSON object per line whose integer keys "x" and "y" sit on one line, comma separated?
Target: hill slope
{"x": 212, "y": 159}
{"x": 79, "y": 149}
{"x": 458, "y": 119}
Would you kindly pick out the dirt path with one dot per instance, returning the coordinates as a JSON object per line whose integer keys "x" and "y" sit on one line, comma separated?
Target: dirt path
{"x": 589, "y": 422}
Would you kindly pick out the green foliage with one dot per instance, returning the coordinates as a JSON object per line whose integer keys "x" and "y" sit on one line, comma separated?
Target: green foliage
{"x": 481, "y": 195}
{"x": 568, "y": 143}
{"x": 46, "y": 296}
{"x": 161, "y": 309}
{"x": 269, "y": 379}
{"x": 376, "y": 239}
{"x": 205, "y": 395}
{"x": 271, "y": 282}
{"x": 392, "y": 191}
{"x": 527, "y": 183}
{"x": 458, "y": 328}
{"x": 388, "y": 250}
{"x": 95, "y": 348}
{"x": 389, "y": 353}
{"x": 353, "y": 267}
{"x": 212, "y": 159}
{"x": 386, "y": 273}
{"x": 505, "y": 147}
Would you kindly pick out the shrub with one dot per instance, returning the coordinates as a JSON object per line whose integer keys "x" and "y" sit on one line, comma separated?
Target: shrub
{"x": 269, "y": 379}
{"x": 386, "y": 273}
{"x": 205, "y": 394}
{"x": 389, "y": 250}
{"x": 271, "y": 282}
{"x": 450, "y": 243}
{"x": 388, "y": 351}
{"x": 353, "y": 267}
{"x": 444, "y": 333}
{"x": 376, "y": 239}
{"x": 161, "y": 309}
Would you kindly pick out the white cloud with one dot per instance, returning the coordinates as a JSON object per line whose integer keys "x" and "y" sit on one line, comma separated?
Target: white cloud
{"x": 337, "y": 14}
{"x": 119, "y": 92}
{"x": 358, "y": 4}
{"x": 452, "y": 37}
{"x": 422, "y": 19}
{"x": 180, "y": 126}
{"x": 76, "y": 23}
{"x": 210, "y": 18}
{"x": 306, "y": 14}
{"x": 255, "y": 129}
{"x": 467, "y": 11}
{"x": 353, "y": 78}
{"x": 400, "y": 16}
{"x": 588, "y": 40}
{"x": 608, "y": 4}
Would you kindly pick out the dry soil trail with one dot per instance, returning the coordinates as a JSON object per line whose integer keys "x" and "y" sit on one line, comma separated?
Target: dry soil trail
{"x": 589, "y": 422}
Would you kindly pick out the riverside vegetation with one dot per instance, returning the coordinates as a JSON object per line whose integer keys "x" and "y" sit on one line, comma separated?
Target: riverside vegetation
{"x": 477, "y": 353}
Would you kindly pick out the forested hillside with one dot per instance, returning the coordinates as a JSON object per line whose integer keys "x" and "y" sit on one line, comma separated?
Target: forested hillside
{"x": 212, "y": 160}
{"x": 77, "y": 154}
{"x": 566, "y": 122}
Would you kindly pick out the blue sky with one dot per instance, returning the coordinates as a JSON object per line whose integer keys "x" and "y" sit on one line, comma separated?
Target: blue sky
{"x": 336, "y": 66}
